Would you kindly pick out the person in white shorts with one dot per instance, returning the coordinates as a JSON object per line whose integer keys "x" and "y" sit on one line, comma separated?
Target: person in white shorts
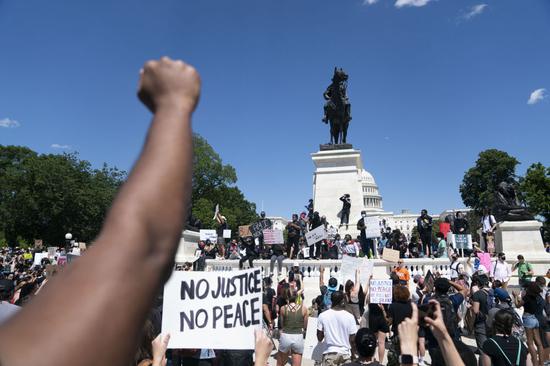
{"x": 293, "y": 320}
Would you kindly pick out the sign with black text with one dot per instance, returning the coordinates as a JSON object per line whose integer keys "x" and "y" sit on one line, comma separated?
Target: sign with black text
{"x": 257, "y": 228}
{"x": 273, "y": 236}
{"x": 200, "y": 304}
{"x": 315, "y": 235}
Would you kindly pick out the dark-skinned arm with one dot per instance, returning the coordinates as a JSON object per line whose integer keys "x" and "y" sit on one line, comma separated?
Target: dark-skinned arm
{"x": 133, "y": 255}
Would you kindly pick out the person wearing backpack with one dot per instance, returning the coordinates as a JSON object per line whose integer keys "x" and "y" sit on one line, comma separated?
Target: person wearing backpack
{"x": 449, "y": 309}
{"x": 503, "y": 349}
{"x": 482, "y": 302}
{"x": 326, "y": 291}
{"x": 503, "y": 301}
{"x": 488, "y": 226}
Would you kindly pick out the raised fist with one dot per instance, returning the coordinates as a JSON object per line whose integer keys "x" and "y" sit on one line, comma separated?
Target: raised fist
{"x": 169, "y": 83}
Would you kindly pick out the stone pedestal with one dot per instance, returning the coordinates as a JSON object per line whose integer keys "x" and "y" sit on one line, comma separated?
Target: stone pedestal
{"x": 338, "y": 172}
{"x": 188, "y": 246}
{"x": 519, "y": 237}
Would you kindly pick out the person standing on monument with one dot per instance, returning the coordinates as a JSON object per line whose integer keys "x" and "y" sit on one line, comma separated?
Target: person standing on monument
{"x": 346, "y": 207}
{"x": 424, "y": 225}
{"x": 488, "y": 226}
{"x": 367, "y": 245}
{"x": 293, "y": 232}
{"x": 314, "y": 223}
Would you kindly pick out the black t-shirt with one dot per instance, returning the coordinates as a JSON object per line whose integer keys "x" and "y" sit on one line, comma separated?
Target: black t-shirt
{"x": 510, "y": 346}
{"x": 362, "y": 228}
{"x": 277, "y": 249}
{"x": 398, "y": 311}
{"x": 268, "y": 296}
{"x": 292, "y": 230}
{"x": 346, "y": 204}
{"x": 223, "y": 226}
{"x": 480, "y": 296}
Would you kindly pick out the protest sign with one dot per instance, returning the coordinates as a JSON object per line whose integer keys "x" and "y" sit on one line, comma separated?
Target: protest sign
{"x": 316, "y": 235}
{"x": 257, "y": 228}
{"x": 208, "y": 235}
{"x": 38, "y": 258}
{"x": 313, "y": 349}
{"x": 349, "y": 266}
{"x": 461, "y": 241}
{"x": 485, "y": 260}
{"x": 38, "y": 243}
{"x": 381, "y": 291}
{"x": 273, "y": 236}
{"x": 52, "y": 251}
{"x": 244, "y": 231}
{"x": 373, "y": 226}
{"x": 365, "y": 270}
{"x": 199, "y": 304}
{"x": 429, "y": 281}
{"x": 227, "y": 234}
{"x": 390, "y": 255}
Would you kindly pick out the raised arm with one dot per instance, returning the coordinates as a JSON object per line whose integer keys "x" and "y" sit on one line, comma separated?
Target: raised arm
{"x": 134, "y": 253}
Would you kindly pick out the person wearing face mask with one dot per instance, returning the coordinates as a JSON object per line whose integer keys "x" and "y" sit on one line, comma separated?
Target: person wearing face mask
{"x": 403, "y": 273}
{"x": 293, "y": 229}
{"x": 367, "y": 245}
{"x": 501, "y": 270}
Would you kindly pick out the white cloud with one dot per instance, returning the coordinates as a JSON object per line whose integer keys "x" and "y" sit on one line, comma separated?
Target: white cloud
{"x": 417, "y": 3}
{"x": 474, "y": 11}
{"x": 9, "y": 123}
{"x": 58, "y": 146}
{"x": 537, "y": 96}
{"x": 369, "y": 2}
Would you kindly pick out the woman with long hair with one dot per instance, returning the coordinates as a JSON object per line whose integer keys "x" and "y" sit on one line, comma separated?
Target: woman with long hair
{"x": 352, "y": 297}
{"x": 293, "y": 322}
{"x": 375, "y": 318}
{"x": 533, "y": 305}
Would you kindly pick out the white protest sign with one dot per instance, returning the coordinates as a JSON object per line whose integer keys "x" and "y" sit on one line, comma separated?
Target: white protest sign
{"x": 373, "y": 226}
{"x": 52, "y": 251}
{"x": 316, "y": 235}
{"x": 200, "y": 304}
{"x": 349, "y": 266}
{"x": 381, "y": 291}
{"x": 313, "y": 349}
{"x": 227, "y": 234}
{"x": 365, "y": 270}
{"x": 208, "y": 235}
{"x": 38, "y": 258}
{"x": 273, "y": 236}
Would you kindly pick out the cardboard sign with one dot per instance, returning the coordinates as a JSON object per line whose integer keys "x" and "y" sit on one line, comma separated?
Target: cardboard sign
{"x": 373, "y": 227}
{"x": 257, "y": 228}
{"x": 351, "y": 264}
{"x": 381, "y": 291}
{"x": 38, "y": 243}
{"x": 82, "y": 246}
{"x": 485, "y": 260}
{"x": 199, "y": 304}
{"x": 244, "y": 231}
{"x": 208, "y": 235}
{"x": 429, "y": 281}
{"x": 316, "y": 235}
{"x": 461, "y": 241}
{"x": 273, "y": 236}
{"x": 390, "y": 255}
{"x": 227, "y": 234}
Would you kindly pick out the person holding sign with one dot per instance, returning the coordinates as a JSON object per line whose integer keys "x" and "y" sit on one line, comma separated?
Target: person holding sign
{"x": 142, "y": 230}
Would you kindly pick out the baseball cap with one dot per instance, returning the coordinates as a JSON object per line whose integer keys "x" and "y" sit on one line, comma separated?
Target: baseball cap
{"x": 502, "y": 294}
{"x": 333, "y": 284}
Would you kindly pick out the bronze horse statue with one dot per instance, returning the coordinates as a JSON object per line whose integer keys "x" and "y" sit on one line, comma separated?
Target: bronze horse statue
{"x": 337, "y": 108}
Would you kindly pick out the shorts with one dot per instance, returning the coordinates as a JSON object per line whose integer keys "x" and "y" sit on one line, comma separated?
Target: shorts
{"x": 530, "y": 321}
{"x": 335, "y": 359}
{"x": 291, "y": 343}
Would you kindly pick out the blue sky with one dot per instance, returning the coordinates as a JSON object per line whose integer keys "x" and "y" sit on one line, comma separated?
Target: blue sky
{"x": 432, "y": 83}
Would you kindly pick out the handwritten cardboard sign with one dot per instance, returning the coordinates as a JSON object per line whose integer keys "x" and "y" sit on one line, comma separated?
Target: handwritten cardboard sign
{"x": 244, "y": 231}
{"x": 200, "y": 304}
{"x": 373, "y": 226}
{"x": 257, "y": 228}
{"x": 390, "y": 255}
{"x": 381, "y": 291}
{"x": 316, "y": 235}
{"x": 273, "y": 236}
{"x": 208, "y": 235}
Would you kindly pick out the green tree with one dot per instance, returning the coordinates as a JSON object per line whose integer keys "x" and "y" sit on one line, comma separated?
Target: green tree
{"x": 481, "y": 181}
{"x": 214, "y": 183}
{"x": 45, "y": 196}
{"x": 535, "y": 189}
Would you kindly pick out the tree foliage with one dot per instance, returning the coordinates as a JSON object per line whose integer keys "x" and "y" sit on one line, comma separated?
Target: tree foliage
{"x": 45, "y": 196}
{"x": 214, "y": 183}
{"x": 480, "y": 182}
{"x": 535, "y": 189}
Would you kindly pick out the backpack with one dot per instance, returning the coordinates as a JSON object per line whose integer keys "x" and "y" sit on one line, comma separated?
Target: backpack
{"x": 327, "y": 302}
{"x": 450, "y": 317}
{"x": 490, "y": 299}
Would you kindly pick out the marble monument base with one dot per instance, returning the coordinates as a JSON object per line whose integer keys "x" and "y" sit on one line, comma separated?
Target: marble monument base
{"x": 519, "y": 237}
{"x": 187, "y": 247}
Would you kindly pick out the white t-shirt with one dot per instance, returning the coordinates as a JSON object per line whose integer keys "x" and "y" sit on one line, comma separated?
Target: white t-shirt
{"x": 7, "y": 310}
{"x": 337, "y": 326}
{"x": 488, "y": 222}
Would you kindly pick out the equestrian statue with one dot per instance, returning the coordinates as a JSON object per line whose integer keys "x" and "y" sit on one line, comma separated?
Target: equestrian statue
{"x": 337, "y": 107}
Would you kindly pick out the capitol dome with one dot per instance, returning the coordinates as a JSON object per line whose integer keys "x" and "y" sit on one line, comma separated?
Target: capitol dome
{"x": 372, "y": 200}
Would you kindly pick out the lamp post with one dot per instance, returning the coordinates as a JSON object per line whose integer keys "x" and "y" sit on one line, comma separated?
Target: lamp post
{"x": 68, "y": 238}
